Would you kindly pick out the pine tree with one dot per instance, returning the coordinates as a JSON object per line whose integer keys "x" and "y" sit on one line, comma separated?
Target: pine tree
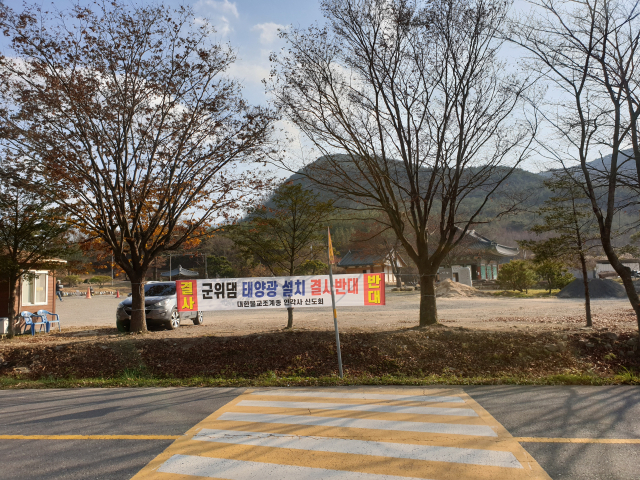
{"x": 282, "y": 237}
{"x": 568, "y": 215}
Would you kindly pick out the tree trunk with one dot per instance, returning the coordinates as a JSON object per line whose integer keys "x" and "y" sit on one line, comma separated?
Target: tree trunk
{"x": 290, "y": 317}
{"x": 11, "y": 310}
{"x": 138, "y": 318}
{"x": 428, "y": 310}
{"x": 625, "y": 275}
{"x": 396, "y": 273}
{"x": 627, "y": 281}
{"x": 587, "y": 296}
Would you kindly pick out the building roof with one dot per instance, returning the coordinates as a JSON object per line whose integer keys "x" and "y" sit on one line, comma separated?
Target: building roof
{"x": 622, "y": 260}
{"x": 179, "y": 271}
{"x": 475, "y": 241}
{"x": 358, "y": 258}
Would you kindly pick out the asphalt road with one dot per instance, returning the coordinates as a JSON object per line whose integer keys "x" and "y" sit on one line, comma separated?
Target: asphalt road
{"x": 571, "y": 412}
{"x": 550, "y": 412}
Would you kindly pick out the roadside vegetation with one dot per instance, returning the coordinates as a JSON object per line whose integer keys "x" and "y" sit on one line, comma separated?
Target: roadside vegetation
{"x": 292, "y": 357}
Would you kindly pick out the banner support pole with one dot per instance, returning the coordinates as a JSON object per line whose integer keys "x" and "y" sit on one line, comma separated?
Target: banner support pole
{"x": 333, "y": 304}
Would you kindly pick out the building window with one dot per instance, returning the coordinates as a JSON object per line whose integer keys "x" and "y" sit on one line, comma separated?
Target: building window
{"x": 34, "y": 289}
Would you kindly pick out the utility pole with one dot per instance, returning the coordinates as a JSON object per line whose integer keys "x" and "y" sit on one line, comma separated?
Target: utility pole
{"x": 112, "y": 269}
{"x": 333, "y": 301}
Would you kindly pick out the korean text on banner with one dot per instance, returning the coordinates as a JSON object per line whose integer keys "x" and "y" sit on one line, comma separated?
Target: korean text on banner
{"x": 187, "y": 291}
{"x": 280, "y": 292}
{"x": 373, "y": 289}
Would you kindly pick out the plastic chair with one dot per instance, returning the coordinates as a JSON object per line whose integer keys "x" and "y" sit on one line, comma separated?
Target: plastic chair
{"x": 45, "y": 315}
{"x": 28, "y": 322}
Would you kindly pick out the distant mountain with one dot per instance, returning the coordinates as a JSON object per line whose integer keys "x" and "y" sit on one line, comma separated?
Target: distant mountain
{"x": 521, "y": 185}
{"x": 603, "y": 164}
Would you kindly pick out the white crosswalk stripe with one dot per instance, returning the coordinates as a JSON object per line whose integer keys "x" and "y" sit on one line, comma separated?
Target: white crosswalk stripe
{"x": 423, "y": 427}
{"x": 469, "y": 456}
{"x": 462, "y": 412}
{"x": 244, "y": 470}
{"x": 347, "y": 434}
{"x": 361, "y": 396}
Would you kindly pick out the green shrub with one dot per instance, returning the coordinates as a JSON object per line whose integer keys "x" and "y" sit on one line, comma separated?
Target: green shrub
{"x": 517, "y": 275}
{"x": 554, "y": 273}
{"x": 219, "y": 267}
{"x": 100, "y": 279}
{"x": 312, "y": 267}
{"x": 70, "y": 280}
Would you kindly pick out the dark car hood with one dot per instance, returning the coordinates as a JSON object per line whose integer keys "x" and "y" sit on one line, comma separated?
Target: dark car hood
{"x": 147, "y": 301}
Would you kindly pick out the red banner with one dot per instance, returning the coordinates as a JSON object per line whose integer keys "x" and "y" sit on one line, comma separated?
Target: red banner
{"x": 187, "y": 291}
{"x": 374, "y": 289}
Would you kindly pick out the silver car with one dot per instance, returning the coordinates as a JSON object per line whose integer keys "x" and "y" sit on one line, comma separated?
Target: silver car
{"x": 161, "y": 307}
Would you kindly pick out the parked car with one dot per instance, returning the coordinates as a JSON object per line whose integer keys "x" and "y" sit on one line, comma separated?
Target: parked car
{"x": 161, "y": 307}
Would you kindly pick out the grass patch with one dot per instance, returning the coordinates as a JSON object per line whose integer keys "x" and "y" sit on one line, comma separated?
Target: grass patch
{"x": 131, "y": 380}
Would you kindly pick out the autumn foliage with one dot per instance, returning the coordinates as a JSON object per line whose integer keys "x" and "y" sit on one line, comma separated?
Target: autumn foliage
{"x": 129, "y": 116}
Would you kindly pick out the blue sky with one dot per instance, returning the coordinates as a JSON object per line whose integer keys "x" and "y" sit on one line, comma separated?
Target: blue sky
{"x": 251, "y": 27}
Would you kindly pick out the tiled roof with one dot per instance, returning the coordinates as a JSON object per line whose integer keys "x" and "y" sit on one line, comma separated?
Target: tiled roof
{"x": 478, "y": 242}
{"x": 357, "y": 258}
{"x": 180, "y": 271}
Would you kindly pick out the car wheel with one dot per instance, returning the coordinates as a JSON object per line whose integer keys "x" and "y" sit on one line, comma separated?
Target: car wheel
{"x": 174, "y": 322}
{"x": 198, "y": 319}
{"x": 123, "y": 325}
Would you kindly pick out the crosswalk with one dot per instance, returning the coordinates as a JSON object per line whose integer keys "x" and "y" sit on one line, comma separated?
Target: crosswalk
{"x": 346, "y": 433}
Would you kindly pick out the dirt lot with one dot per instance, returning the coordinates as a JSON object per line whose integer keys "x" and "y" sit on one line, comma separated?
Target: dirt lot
{"x": 401, "y": 312}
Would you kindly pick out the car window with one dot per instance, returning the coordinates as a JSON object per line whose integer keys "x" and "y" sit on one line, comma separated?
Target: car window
{"x": 160, "y": 289}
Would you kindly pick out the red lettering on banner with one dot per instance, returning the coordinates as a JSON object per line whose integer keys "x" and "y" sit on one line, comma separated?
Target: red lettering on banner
{"x": 352, "y": 285}
{"x": 316, "y": 287}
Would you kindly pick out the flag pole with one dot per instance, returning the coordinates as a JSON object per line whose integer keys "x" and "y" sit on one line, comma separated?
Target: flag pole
{"x": 333, "y": 301}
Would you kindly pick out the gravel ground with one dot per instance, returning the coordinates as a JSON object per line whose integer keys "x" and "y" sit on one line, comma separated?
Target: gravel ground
{"x": 401, "y": 311}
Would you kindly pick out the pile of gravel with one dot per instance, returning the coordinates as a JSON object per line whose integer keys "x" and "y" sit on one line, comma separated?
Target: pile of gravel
{"x": 448, "y": 288}
{"x": 598, "y": 288}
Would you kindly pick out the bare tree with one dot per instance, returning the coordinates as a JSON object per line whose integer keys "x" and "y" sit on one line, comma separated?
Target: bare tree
{"x": 138, "y": 134}
{"x": 587, "y": 51}
{"x": 413, "y": 112}
{"x": 379, "y": 240}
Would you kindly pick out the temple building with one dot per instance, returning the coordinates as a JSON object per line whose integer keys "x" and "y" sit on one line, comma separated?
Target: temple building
{"x": 359, "y": 261}
{"x": 483, "y": 256}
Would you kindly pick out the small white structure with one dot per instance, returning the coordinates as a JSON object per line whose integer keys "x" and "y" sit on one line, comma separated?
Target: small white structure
{"x": 457, "y": 274}
{"x": 577, "y": 272}
{"x": 603, "y": 266}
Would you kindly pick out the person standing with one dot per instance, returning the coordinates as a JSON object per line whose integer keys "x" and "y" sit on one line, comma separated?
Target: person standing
{"x": 59, "y": 289}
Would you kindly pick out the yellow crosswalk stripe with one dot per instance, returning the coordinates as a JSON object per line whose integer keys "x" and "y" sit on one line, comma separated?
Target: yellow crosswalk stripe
{"x": 369, "y": 434}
